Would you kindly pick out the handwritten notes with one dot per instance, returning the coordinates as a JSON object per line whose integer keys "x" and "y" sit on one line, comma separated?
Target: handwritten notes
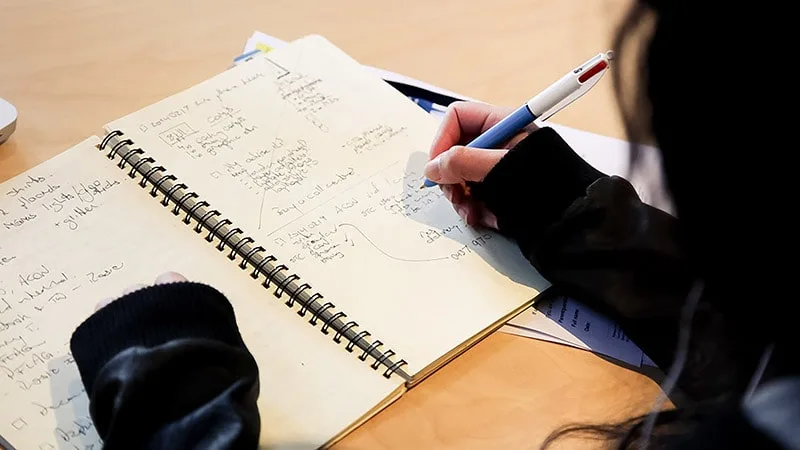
{"x": 65, "y": 205}
{"x": 326, "y": 234}
{"x": 76, "y": 230}
{"x": 321, "y": 162}
{"x": 50, "y": 281}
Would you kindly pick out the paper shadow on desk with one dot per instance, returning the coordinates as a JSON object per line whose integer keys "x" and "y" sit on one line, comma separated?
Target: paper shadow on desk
{"x": 501, "y": 253}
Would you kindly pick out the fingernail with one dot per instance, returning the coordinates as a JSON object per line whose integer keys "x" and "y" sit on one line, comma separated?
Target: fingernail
{"x": 491, "y": 221}
{"x": 170, "y": 277}
{"x": 133, "y": 288}
{"x": 102, "y": 303}
{"x": 432, "y": 169}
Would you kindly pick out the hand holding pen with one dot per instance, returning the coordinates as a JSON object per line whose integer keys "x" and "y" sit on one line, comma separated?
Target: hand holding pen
{"x": 452, "y": 165}
{"x": 490, "y": 131}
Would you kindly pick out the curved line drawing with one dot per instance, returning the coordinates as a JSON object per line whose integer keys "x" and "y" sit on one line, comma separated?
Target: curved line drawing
{"x": 387, "y": 254}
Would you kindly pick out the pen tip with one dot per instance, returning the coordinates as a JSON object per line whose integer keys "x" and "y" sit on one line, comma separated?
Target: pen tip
{"x": 427, "y": 183}
{"x": 610, "y": 55}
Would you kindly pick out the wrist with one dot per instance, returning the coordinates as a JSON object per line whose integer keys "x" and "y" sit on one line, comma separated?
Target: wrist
{"x": 149, "y": 317}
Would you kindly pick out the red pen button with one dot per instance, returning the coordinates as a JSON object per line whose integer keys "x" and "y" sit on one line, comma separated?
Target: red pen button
{"x": 592, "y": 71}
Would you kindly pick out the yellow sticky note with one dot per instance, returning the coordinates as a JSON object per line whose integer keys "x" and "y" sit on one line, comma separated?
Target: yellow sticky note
{"x": 263, "y": 47}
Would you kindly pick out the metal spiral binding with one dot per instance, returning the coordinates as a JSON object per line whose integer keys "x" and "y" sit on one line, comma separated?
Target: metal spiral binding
{"x": 300, "y": 296}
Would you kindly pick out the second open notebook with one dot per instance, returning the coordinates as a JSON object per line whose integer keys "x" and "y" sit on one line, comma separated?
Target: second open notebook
{"x": 303, "y": 170}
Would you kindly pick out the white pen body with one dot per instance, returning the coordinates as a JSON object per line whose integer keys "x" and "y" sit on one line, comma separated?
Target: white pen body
{"x": 553, "y": 95}
{"x": 570, "y": 87}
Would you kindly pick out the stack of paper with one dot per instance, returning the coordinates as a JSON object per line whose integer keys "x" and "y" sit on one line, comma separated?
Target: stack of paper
{"x": 565, "y": 321}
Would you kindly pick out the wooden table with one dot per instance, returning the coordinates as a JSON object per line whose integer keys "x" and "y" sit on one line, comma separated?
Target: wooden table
{"x": 71, "y": 66}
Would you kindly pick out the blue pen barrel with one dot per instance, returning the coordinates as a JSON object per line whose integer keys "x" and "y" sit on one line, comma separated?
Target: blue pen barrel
{"x": 504, "y": 130}
{"x": 500, "y": 133}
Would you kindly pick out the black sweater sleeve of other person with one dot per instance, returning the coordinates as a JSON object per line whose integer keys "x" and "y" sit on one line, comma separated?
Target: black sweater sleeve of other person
{"x": 166, "y": 368}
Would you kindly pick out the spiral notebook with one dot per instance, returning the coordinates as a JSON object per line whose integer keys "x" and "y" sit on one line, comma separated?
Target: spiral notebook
{"x": 291, "y": 184}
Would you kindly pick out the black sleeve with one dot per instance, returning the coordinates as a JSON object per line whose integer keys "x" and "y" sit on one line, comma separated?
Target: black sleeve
{"x": 165, "y": 367}
{"x": 592, "y": 237}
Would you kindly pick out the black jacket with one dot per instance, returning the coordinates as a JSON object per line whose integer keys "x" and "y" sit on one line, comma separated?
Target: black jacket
{"x": 178, "y": 345}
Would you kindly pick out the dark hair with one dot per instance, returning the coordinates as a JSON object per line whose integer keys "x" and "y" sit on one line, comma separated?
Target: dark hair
{"x": 629, "y": 75}
{"x": 670, "y": 426}
{"x": 667, "y": 52}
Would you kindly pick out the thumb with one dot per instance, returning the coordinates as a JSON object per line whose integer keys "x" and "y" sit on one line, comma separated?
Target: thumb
{"x": 460, "y": 164}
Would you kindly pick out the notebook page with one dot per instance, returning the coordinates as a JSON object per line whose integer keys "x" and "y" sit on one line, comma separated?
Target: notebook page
{"x": 321, "y": 162}
{"x": 75, "y": 230}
